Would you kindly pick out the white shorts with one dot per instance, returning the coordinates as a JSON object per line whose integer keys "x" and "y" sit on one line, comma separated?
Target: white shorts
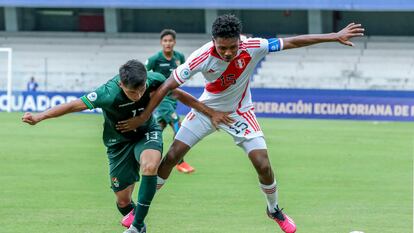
{"x": 246, "y": 131}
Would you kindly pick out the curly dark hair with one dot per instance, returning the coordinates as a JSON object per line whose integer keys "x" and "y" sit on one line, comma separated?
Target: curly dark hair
{"x": 227, "y": 26}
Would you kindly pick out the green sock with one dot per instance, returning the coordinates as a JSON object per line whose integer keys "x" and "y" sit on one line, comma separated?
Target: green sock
{"x": 145, "y": 195}
{"x": 125, "y": 210}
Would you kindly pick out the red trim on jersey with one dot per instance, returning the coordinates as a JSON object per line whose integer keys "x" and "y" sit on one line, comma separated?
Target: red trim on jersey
{"x": 198, "y": 57}
{"x": 251, "y": 44}
{"x": 198, "y": 60}
{"x": 177, "y": 77}
{"x": 201, "y": 60}
{"x": 243, "y": 95}
{"x": 215, "y": 54}
{"x": 234, "y": 70}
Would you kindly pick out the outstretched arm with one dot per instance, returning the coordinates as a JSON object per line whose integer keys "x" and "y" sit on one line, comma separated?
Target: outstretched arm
{"x": 343, "y": 36}
{"x": 57, "y": 111}
{"x": 184, "y": 97}
{"x": 189, "y": 100}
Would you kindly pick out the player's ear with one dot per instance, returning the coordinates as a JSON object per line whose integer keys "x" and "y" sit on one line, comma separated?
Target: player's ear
{"x": 121, "y": 85}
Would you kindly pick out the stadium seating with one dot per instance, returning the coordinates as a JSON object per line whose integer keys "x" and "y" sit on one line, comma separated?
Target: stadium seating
{"x": 80, "y": 62}
{"x": 378, "y": 63}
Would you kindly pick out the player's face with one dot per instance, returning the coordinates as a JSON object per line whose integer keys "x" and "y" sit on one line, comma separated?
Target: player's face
{"x": 226, "y": 47}
{"x": 167, "y": 43}
{"x": 134, "y": 94}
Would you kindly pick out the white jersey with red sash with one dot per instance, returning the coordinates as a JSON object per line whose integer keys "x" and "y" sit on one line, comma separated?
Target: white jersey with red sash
{"x": 227, "y": 84}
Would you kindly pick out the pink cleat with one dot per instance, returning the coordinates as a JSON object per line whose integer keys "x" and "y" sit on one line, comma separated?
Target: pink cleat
{"x": 128, "y": 219}
{"x": 285, "y": 222}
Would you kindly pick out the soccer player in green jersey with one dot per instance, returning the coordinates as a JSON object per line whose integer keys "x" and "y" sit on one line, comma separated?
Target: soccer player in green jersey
{"x": 122, "y": 97}
{"x": 164, "y": 62}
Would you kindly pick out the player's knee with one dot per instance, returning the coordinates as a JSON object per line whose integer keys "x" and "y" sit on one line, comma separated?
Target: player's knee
{"x": 123, "y": 201}
{"x": 149, "y": 168}
{"x": 264, "y": 169}
{"x": 172, "y": 157}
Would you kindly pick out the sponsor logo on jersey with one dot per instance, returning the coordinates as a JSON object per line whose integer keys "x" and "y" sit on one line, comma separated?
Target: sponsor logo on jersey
{"x": 115, "y": 182}
{"x": 92, "y": 96}
{"x": 164, "y": 64}
{"x": 185, "y": 73}
{"x": 240, "y": 63}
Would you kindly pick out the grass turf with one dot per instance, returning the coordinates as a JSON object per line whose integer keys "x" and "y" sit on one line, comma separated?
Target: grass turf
{"x": 333, "y": 177}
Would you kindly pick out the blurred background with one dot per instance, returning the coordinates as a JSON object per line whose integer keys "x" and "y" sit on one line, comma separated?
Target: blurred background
{"x": 73, "y": 46}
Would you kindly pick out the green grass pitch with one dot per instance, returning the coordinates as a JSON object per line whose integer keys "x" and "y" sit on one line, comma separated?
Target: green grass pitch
{"x": 333, "y": 177}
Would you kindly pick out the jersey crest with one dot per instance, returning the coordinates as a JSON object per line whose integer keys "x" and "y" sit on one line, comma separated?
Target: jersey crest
{"x": 240, "y": 63}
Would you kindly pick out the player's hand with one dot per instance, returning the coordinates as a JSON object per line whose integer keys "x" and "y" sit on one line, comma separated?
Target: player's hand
{"x": 221, "y": 118}
{"x": 30, "y": 119}
{"x": 130, "y": 124}
{"x": 350, "y": 31}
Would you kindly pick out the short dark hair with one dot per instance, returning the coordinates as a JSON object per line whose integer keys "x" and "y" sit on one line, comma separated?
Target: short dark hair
{"x": 226, "y": 26}
{"x": 133, "y": 74}
{"x": 167, "y": 32}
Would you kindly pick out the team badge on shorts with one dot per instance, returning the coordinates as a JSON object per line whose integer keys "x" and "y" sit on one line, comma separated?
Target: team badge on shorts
{"x": 115, "y": 182}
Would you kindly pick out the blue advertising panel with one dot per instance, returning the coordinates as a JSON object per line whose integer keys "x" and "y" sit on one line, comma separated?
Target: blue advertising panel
{"x": 275, "y": 103}
{"x": 402, "y": 5}
{"x": 328, "y": 104}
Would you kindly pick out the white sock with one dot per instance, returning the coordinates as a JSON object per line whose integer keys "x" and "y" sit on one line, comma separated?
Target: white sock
{"x": 160, "y": 182}
{"x": 270, "y": 193}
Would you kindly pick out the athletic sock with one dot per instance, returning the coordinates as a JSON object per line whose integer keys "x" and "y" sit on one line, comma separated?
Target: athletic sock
{"x": 160, "y": 182}
{"x": 270, "y": 193}
{"x": 145, "y": 195}
{"x": 125, "y": 210}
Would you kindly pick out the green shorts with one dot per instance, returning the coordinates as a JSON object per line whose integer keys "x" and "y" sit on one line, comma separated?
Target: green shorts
{"x": 124, "y": 159}
{"x": 166, "y": 114}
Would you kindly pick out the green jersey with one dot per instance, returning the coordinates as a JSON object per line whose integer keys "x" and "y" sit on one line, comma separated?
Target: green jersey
{"x": 116, "y": 106}
{"x": 158, "y": 63}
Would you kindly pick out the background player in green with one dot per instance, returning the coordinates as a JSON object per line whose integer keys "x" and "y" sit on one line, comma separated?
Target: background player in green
{"x": 126, "y": 95}
{"x": 164, "y": 62}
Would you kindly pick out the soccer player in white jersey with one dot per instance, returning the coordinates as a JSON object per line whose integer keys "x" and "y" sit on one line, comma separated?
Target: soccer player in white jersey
{"x": 227, "y": 64}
